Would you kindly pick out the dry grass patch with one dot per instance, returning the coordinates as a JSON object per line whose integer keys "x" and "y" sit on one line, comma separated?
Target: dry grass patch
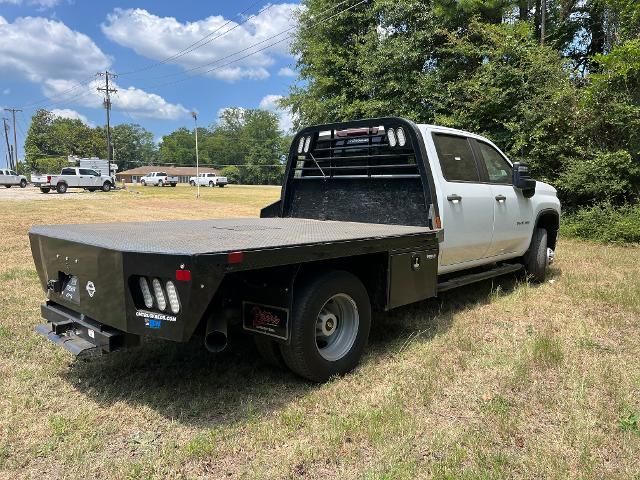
{"x": 497, "y": 380}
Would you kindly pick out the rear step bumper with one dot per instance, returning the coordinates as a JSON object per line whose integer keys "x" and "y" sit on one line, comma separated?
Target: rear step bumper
{"x": 80, "y": 335}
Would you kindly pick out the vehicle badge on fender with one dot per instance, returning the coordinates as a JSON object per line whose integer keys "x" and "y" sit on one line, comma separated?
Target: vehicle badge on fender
{"x": 91, "y": 288}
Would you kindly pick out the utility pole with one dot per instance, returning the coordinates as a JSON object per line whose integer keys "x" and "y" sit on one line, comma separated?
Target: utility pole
{"x": 15, "y": 136}
{"x": 107, "y": 105}
{"x": 195, "y": 122}
{"x": 6, "y": 137}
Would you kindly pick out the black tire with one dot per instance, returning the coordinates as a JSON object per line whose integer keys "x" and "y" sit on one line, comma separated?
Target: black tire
{"x": 211, "y": 184}
{"x": 160, "y": 183}
{"x": 45, "y": 190}
{"x": 143, "y": 183}
{"x": 61, "y": 187}
{"x": 7, "y": 186}
{"x": 23, "y": 183}
{"x": 173, "y": 184}
{"x": 535, "y": 260}
{"x": 221, "y": 185}
{"x": 91, "y": 190}
{"x": 192, "y": 183}
{"x": 106, "y": 187}
{"x": 302, "y": 355}
{"x": 269, "y": 351}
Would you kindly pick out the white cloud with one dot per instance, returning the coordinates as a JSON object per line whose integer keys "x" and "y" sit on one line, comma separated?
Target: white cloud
{"x": 72, "y": 114}
{"x": 61, "y": 60}
{"x": 160, "y": 37}
{"x": 287, "y": 72}
{"x": 38, "y": 3}
{"x": 6, "y": 91}
{"x": 270, "y": 102}
{"x": 134, "y": 101}
{"x": 39, "y": 48}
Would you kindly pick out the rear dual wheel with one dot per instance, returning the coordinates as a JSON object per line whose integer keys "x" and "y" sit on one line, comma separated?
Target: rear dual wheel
{"x": 330, "y": 323}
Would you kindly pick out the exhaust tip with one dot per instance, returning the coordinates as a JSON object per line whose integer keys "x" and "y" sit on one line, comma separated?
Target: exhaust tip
{"x": 215, "y": 341}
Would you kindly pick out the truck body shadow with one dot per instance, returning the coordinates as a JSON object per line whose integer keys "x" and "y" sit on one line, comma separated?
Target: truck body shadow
{"x": 185, "y": 383}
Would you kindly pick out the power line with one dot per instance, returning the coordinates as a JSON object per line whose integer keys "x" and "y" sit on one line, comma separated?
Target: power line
{"x": 203, "y": 41}
{"x": 47, "y": 100}
{"x": 321, "y": 21}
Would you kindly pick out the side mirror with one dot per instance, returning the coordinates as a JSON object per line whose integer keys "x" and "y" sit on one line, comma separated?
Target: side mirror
{"x": 522, "y": 180}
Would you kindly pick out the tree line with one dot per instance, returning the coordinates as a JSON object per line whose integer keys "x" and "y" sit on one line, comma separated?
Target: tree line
{"x": 568, "y": 103}
{"x": 245, "y": 144}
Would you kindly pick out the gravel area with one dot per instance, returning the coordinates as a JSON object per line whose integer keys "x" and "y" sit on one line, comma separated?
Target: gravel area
{"x": 33, "y": 193}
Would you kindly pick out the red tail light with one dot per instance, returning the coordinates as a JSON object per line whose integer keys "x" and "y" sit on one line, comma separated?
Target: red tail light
{"x": 183, "y": 275}
{"x": 48, "y": 178}
{"x": 235, "y": 257}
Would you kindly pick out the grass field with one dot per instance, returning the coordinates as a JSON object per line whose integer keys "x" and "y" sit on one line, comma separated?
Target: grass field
{"x": 497, "y": 380}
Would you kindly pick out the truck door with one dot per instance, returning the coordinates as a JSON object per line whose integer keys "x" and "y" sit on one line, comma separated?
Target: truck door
{"x": 4, "y": 179}
{"x": 467, "y": 209}
{"x": 513, "y": 222}
{"x": 87, "y": 177}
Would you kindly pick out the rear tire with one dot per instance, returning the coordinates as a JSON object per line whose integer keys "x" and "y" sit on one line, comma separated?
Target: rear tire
{"x": 45, "y": 190}
{"x": 330, "y": 323}
{"x": 160, "y": 184}
{"x": 23, "y": 183}
{"x": 91, "y": 190}
{"x": 61, "y": 187}
{"x": 535, "y": 260}
{"x": 211, "y": 184}
{"x": 221, "y": 185}
{"x": 106, "y": 187}
{"x": 269, "y": 351}
{"x": 173, "y": 184}
{"x": 7, "y": 186}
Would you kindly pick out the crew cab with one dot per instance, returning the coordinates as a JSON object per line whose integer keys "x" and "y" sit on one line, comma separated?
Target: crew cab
{"x": 373, "y": 214}
{"x": 9, "y": 178}
{"x": 208, "y": 179}
{"x": 73, "y": 177}
{"x": 159, "y": 179}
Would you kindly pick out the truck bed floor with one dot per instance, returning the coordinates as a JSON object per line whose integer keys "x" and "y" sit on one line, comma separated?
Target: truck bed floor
{"x": 193, "y": 237}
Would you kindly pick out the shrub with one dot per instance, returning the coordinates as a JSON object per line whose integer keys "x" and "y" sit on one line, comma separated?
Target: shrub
{"x": 605, "y": 223}
{"x": 611, "y": 177}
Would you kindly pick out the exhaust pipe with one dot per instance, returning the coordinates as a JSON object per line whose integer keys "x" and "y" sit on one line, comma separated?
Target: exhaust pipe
{"x": 215, "y": 337}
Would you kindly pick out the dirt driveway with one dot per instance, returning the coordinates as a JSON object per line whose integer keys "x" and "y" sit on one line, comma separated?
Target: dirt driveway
{"x": 33, "y": 193}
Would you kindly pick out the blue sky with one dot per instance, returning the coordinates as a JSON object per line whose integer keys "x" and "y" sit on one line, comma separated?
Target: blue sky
{"x": 51, "y": 49}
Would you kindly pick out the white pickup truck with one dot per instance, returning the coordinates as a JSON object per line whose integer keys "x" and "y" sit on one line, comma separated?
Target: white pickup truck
{"x": 9, "y": 178}
{"x": 208, "y": 179}
{"x": 373, "y": 215}
{"x": 158, "y": 179}
{"x": 73, "y": 177}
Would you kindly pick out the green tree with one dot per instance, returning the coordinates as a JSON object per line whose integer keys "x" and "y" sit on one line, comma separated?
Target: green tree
{"x": 133, "y": 146}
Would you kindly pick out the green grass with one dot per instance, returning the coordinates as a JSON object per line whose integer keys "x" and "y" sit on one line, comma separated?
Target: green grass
{"x": 497, "y": 380}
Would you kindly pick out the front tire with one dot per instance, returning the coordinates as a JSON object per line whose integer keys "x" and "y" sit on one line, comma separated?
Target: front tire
{"x": 143, "y": 183}
{"x": 23, "y": 183}
{"x": 535, "y": 260}
{"x": 61, "y": 188}
{"x": 106, "y": 187}
{"x": 330, "y": 323}
{"x": 192, "y": 183}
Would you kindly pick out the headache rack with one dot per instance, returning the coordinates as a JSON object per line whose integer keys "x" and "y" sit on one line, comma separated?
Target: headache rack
{"x": 377, "y": 150}
{"x": 371, "y": 171}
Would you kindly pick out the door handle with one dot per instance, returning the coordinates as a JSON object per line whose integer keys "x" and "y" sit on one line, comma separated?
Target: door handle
{"x": 454, "y": 198}
{"x": 501, "y": 198}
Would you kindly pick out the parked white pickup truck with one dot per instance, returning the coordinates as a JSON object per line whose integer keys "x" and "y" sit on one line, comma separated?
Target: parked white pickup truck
{"x": 9, "y": 178}
{"x": 158, "y": 179}
{"x": 73, "y": 177}
{"x": 208, "y": 179}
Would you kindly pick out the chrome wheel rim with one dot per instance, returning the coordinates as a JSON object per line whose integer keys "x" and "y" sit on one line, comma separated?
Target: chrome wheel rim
{"x": 337, "y": 327}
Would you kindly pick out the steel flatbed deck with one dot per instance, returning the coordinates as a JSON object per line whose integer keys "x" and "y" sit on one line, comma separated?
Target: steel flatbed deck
{"x": 200, "y": 237}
